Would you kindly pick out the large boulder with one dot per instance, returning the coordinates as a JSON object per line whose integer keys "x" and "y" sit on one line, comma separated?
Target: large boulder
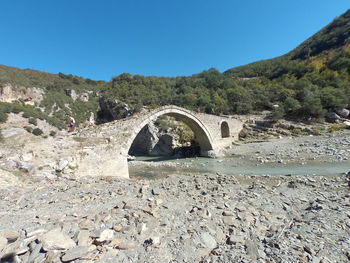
{"x": 56, "y": 240}
{"x": 152, "y": 141}
{"x": 146, "y": 140}
{"x": 84, "y": 97}
{"x": 71, "y": 93}
{"x": 333, "y": 117}
{"x": 343, "y": 113}
{"x": 113, "y": 109}
{"x": 164, "y": 146}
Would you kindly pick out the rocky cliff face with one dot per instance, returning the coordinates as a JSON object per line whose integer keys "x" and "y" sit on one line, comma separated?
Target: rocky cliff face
{"x": 112, "y": 110}
{"x": 31, "y": 96}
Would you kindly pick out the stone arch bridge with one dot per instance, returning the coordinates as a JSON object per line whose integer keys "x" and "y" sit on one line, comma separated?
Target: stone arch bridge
{"x": 105, "y": 149}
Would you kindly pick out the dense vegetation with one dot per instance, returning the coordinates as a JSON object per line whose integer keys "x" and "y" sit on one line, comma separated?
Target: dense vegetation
{"x": 56, "y": 106}
{"x": 309, "y": 81}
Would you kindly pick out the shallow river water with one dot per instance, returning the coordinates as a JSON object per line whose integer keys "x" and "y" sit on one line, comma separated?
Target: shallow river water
{"x": 232, "y": 166}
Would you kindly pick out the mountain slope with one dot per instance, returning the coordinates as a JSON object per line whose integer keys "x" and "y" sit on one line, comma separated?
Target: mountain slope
{"x": 330, "y": 43}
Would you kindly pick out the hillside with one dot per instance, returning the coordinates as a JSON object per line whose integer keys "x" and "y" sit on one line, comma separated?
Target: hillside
{"x": 330, "y": 46}
{"x": 310, "y": 82}
{"x": 46, "y": 96}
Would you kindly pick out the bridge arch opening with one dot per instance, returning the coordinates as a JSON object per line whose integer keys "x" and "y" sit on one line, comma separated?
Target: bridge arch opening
{"x": 225, "y": 130}
{"x": 165, "y": 136}
{"x": 201, "y": 145}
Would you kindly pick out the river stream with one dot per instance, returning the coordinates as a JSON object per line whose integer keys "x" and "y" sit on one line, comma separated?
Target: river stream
{"x": 159, "y": 167}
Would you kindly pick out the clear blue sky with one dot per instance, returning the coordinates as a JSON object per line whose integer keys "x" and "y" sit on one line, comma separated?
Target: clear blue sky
{"x": 103, "y": 38}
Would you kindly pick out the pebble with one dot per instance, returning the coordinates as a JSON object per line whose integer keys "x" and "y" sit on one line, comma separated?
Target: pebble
{"x": 75, "y": 253}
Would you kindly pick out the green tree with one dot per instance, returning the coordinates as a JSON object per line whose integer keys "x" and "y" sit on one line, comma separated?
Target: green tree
{"x": 291, "y": 106}
{"x": 333, "y": 98}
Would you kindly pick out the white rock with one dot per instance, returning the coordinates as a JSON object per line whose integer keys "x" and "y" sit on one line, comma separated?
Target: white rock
{"x": 347, "y": 123}
{"x": 3, "y": 242}
{"x": 343, "y": 112}
{"x": 106, "y": 235}
{"x": 56, "y": 240}
{"x": 208, "y": 241}
{"x": 46, "y": 175}
{"x": 27, "y": 167}
{"x": 61, "y": 165}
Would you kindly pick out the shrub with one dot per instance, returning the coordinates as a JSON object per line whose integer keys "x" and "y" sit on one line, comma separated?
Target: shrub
{"x": 3, "y": 116}
{"x": 37, "y": 132}
{"x": 336, "y": 127}
{"x": 25, "y": 115}
{"x": 33, "y": 121}
{"x": 52, "y": 133}
{"x": 28, "y": 129}
{"x": 1, "y": 136}
{"x": 277, "y": 113}
{"x": 297, "y": 131}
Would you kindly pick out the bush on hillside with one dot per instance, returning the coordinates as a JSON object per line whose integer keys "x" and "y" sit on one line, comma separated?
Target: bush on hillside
{"x": 33, "y": 121}
{"x": 37, "y": 131}
{"x": 3, "y": 117}
{"x": 1, "y": 136}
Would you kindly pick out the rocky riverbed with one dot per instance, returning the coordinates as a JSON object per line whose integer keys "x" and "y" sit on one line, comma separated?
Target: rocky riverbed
{"x": 186, "y": 217}
{"x": 328, "y": 147}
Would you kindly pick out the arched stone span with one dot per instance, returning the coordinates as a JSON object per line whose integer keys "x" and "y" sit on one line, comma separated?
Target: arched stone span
{"x": 202, "y": 135}
{"x": 105, "y": 149}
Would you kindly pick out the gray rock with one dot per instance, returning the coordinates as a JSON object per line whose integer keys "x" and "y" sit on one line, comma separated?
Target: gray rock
{"x": 10, "y": 236}
{"x": 227, "y": 213}
{"x": 10, "y": 258}
{"x": 87, "y": 224}
{"x": 71, "y": 93}
{"x": 229, "y": 220}
{"x": 343, "y": 113}
{"x": 35, "y": 252}
{"x": 56, "y": 240}
{"x": 210, "y": 154}
{"x": 40, "y": 258}
{"x": 11, "y": 164}
{"x": 24, "y": 166}
{"x": 36, "y": 232}
{"x": 75, "y": 253}
{"x": 208, "y": 241}
{"x": 106, "y": 235}
{"x": 333, "y": 116}
{"x": 84, "y": 97}
{"x": 45, "y": 175}
{"x": 3, "y": 242}
{"x": 59, "y": 167}
{"x": 164, "y": 146}
{"x": 84, "y": 238}
{"x": 236, "y": 239}
{"x": 252, "y": 249}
